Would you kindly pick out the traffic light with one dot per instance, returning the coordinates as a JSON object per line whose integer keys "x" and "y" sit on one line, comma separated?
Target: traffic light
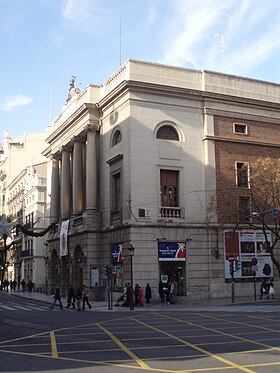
{"x": 273, "y": 213}
{"x": 108, "y": 270}
{"x": 236, "y": 265}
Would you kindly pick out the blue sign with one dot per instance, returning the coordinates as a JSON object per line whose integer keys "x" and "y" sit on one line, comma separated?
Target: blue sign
{"x": 117, "y": 253}
{"x": 171, "y": 251}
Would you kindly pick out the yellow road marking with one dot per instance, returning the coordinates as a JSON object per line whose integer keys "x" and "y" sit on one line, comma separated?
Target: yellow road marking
{"x": 53, "y": 345}
{"x": 217, "y": 357}
{"x": 235, "y": 336}
{"x": 124, "y": 348}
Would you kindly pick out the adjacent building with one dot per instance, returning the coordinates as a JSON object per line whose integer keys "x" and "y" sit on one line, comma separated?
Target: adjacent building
{"x": 23, "y": 186}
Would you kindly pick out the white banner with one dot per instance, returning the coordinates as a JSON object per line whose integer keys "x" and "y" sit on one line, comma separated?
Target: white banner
{"x": 64, "y": 238}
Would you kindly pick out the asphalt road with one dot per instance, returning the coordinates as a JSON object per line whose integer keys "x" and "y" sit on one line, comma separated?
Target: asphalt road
{"x": 34, "y": 338}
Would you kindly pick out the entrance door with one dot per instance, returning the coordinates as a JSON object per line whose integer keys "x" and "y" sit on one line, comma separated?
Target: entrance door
{"x": 176, "y": 270}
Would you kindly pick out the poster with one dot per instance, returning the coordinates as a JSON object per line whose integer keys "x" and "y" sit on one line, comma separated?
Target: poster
{"x": 248, "y": 247}
{"x": 64, "y": 238}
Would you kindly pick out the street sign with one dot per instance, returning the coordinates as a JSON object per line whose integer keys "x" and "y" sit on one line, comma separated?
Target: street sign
{"x": 231, "y": 258}
{"x": 254, "y": 261}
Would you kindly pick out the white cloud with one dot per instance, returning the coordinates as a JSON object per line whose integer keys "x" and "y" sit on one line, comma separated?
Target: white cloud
{"x": 82, "y": 13}
{"x": 250, "y": 30}
{"x": 11, "y": 103}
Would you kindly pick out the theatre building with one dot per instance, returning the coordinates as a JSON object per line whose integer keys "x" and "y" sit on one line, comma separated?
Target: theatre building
{"x": 136, "y": 162}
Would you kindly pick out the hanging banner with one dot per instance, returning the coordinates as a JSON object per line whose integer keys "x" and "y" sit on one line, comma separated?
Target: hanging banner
{"x": 117, "y": 253}
{"x": 64, "y": 238}
{"x": 171, "y": 251}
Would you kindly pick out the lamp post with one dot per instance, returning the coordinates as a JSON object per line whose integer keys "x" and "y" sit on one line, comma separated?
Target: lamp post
{"x": 131, "y": 254}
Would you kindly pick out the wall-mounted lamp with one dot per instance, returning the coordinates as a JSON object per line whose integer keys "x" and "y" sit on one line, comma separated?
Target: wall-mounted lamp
{"x": 216, "y": 253}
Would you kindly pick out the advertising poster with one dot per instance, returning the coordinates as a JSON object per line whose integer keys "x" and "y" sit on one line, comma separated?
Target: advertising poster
{"x": 171, "y": 251}
{"x": 117, "y": 253}
{"x": 251, "y": 252}
{"x": 64, "y": 238}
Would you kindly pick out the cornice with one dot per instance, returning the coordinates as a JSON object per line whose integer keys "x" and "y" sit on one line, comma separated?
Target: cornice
{"x": 240, "y": 141}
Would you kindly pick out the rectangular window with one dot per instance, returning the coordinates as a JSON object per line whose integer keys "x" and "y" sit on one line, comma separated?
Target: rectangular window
{"x": 169, "y": 188}
{"x": 242, "y": 175}
{"x": 116, "y": 202}
{"x": 244, "y": 208}
{"x": 240, "y": 128}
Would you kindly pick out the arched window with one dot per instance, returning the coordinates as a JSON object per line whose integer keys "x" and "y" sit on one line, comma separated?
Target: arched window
{"x": 117, "y": 138}
{"x": 167, "y": 133}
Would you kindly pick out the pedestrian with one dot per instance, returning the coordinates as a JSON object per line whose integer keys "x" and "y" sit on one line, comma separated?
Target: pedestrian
{"x": 271, "y": 290}
{"x": 136, "y": 294}
{"x": 264, "y": 288}
{"x": 23, "y": 285}
{"x": 30, "y": 286}
{"x": 57, "y": 297}
{"x": 172, "y": 297}
{"x": 70, "y": 297}
{"x": 140, "y": 296}
{"x": 85, "y": 298}
{"x": 148, "y": 293}
{"x": 14, "y": 284}
{"x": 6, "y": 285}
{"x": 78, "y": 297}
{"x": 161, "y": 291}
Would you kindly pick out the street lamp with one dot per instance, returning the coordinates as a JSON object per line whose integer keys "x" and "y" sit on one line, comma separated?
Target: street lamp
{"x": 131, "y": 254}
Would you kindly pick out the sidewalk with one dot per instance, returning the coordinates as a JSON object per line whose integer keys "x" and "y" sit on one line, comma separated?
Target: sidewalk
{"x": 202, "y": 305}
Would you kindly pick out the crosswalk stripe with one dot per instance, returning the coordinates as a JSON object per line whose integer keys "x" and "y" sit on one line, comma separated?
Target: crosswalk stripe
{"x": 16, "y": 307}
{"x": 7, "y": 308}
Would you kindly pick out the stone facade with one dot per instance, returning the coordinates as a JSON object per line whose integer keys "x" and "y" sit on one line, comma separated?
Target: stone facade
{"x": 109, "y": 155}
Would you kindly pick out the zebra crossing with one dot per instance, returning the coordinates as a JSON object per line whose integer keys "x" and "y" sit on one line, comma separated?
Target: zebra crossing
{"x": 13, "y": 306}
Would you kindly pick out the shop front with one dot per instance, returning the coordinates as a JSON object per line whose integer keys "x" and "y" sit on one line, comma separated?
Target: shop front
{"x": 172, "y": 263}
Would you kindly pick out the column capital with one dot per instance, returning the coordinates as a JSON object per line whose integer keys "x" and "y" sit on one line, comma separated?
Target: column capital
{"x": 56, "y": 156}
{"x": 78, "y": 138}
{"x": 92, "y": 126}
{"x": 66, "y": 148}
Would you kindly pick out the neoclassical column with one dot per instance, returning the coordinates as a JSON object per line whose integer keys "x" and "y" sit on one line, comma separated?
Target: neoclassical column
{"x": 65, "y": 183}
{"x": 54, "y": 209}
{"x": 77, "y": 176}
{"x": 91, "y": 169}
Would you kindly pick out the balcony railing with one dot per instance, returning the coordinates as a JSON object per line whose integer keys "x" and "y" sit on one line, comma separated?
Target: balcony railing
{"x": 26, "y": 253}
{"x": 170, "y": 212}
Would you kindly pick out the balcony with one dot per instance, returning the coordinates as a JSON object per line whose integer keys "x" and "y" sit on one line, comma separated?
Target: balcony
{"x": 170, "y": 212}
{"x": 26, "y": 253}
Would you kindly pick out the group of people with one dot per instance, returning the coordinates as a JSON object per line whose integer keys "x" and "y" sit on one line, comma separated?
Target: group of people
{"x": 13, "y": 284}
{"x": 78, "y": 298}
{"x": 267, "y": 289}
{"x": 135, "y": 298}
{"x": 168, "y": 291}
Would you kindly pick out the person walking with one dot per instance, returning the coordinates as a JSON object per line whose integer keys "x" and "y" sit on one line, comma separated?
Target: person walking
{"x": 264, "y": 288}
{"x": 56, "y": 298}
{"x": 271, "y": 290}
{"x": 85, "y": 297}
{"x": 136, "y": 294}
{"x": 148, "y": 293}
{"x": 23, "y": 285}
{"x": 30, "y": 286}
{"x": 140, "y": 296}
{"x": 172, "y": 298}
{"x": 79, "y": 296}
{"x": 70, "y": 297}
{"x": 161, "y": 291}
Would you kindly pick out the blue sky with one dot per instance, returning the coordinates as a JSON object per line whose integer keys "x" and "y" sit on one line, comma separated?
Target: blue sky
{"x": 45, "y": 42}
